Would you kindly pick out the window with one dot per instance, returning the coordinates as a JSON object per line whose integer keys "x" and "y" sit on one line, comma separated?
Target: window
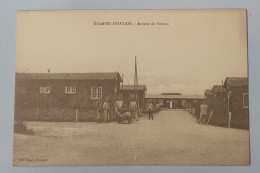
{"x": 245, "y": 100}
{"x": 70, "y": 90}
{"x": 45, "y": 90}
{"x": 96, "y": 92}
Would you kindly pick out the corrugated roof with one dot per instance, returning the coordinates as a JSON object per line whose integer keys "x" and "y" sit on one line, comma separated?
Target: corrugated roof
{"x": 174, "y": 96}
{"x": 69, "y": 76}
{"x": 132, "y": 87}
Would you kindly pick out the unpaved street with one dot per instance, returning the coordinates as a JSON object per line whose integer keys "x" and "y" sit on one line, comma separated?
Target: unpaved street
{"x": 172, "y": 138}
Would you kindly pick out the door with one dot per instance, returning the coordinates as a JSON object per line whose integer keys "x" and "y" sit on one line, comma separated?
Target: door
{"x": 170, "y": 104}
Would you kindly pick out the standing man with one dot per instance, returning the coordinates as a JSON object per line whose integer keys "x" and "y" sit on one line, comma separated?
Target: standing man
{"x": 106, "y": 108}
{"x": 118, "y": 107}
{"x": 133, "y": 109}
{"x": 150, "y": 110}
{"x": 203, "y": 112}
{"x": 98, "y": 106}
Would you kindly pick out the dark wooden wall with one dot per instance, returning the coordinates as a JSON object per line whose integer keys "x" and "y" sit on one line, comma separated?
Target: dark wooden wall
{"x": 58, "y": 97}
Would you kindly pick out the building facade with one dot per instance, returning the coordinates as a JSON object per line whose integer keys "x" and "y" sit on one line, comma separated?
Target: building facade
{"x": 232, "y": 97}
{"x": 130, "y": 92}
{"x": 237, "y": 100}
{"x": 65, "y": 89}
{"x": 175, "y": 101}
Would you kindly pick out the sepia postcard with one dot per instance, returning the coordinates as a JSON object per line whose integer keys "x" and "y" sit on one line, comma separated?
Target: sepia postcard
{"x": 131, "y": 88}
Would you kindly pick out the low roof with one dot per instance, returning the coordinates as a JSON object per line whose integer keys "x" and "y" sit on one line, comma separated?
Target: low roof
{"x": 171, "y": 94}
{"x": 218, "y": 88}
{"x": 174, "y": 96}
{"x": 69, "y": 76}
{"x": 132, "y": 87}
{"x": 236, "y": 81}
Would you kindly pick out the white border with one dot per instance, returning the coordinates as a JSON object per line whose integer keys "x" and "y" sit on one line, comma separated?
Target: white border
{"x": 8, "y": 10}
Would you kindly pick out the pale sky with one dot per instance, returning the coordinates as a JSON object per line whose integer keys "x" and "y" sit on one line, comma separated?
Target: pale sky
{"x": 195, "y": 51}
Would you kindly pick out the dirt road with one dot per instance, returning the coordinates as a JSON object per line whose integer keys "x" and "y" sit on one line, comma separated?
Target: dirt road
{"x": 172, "y": 138}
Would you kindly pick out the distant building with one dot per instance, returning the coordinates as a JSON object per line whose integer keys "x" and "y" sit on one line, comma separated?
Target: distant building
{"x": 218, "y": 90}
{"x": 217, "y": 98}
{"x": 175, "y": 101}
{"x": 171, "y": 94}
{"x": 64, "y": 89}
{"x": 208, "y": 94}
{"x": 129, "y": 92}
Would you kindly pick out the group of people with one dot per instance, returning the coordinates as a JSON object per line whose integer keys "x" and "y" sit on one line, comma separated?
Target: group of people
{"x": 120, "y": 108}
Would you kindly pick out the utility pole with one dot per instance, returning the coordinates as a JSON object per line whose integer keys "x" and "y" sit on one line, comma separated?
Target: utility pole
{"x": 136, "y": 86}
{"x": 122, "y": 81}
{"x": 229, "y": 100}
